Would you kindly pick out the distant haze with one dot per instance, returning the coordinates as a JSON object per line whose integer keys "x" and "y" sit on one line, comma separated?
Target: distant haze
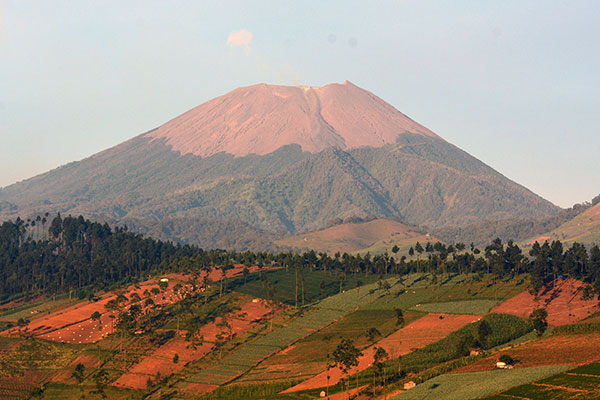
{"x": 513, "y": 83}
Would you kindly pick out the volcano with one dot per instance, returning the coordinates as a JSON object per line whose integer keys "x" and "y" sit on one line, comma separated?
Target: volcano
{"x": 266, "y": 161}
{"x": 262, "y": 118}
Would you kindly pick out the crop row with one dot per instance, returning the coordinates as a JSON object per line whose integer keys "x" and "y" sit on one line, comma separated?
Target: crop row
{"x": 316, "y": 319}
{"x": 477, "y": 307}
{"x": 588, "y": 369}
{"x": 560, "y": 386}
{"x": 254, "y": 352}
{"x": 351, "y": 299}
{"x": 474, "y": 385}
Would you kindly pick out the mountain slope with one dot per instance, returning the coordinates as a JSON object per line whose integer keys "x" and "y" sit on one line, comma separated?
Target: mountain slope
{"x": 584, "y": 228}
{"x": 394, "y": 169}
{"x": 259, "y": 119}
{"x": 355, "y": 236}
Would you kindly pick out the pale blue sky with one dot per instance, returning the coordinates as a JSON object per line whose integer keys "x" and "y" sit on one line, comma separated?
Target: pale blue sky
{"x": 514, "y": 83}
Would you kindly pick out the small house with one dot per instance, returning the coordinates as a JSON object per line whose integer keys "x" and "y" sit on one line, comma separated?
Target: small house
{"x": 409, "y": 385}
{"x": 475, "y": 352}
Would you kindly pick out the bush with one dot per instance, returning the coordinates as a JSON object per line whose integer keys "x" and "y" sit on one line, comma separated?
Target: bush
{"x": 505, "y": 358}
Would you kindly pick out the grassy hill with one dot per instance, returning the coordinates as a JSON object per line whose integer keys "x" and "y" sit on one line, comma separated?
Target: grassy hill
{"x": 377, "y": 235}
{"x": 584, "y": 228}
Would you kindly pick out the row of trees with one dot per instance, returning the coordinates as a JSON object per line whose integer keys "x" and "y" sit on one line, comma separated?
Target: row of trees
{"x": 73, "y": 253}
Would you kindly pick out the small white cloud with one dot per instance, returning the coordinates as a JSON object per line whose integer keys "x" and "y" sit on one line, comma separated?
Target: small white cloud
{"x": 241, "y": 38}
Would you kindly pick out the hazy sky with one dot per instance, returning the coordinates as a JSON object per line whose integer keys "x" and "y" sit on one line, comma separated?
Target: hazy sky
{"x": 514, "y": 83}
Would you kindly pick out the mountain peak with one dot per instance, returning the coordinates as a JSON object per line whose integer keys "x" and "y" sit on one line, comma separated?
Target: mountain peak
{"x": 261, "y": 118}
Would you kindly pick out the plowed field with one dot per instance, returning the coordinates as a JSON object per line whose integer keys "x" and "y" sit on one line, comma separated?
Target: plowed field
{"x": 563, "y": 303}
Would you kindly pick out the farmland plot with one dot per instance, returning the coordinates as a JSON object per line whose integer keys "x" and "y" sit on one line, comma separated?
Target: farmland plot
{"x": 479, "y": 307}
{"x": 474, "y": 385}
{"x": 554, "y": 349}
{"x": 323, "y": 314}
{"x": 579, "y": 383}
{"x": 415, "y": 335}
{"x": 161, "y": 361}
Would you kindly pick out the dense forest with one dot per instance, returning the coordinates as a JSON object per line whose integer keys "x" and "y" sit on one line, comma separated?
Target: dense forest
{"x": 72, "y": 253}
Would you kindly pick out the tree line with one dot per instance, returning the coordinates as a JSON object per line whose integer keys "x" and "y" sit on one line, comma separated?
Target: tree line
{"x": 73, "y": 253}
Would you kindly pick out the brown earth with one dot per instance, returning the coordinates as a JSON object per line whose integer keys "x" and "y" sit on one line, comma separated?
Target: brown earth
{"x": 563, "y": 303}
{"x": 553, "y": 350}
{"x": 74, "y": 325}
{"x": 66, "y": 375}
{"x": 161, "y": 360}
{"x": 350, "y": 237}
{"x": 415, "y": 335}
{"x": 259, "y": 119}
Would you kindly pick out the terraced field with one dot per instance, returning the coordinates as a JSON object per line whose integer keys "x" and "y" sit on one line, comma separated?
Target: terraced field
{"x": 474, "y": 385}
{"x": 252, "y": 353}
{"x": 478, "y": 307}
{"x": 579, "y": 383}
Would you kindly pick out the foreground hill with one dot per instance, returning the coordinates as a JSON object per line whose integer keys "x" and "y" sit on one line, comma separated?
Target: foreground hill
{"x": 274, "y": 161}
{"x": 351, "y": 237}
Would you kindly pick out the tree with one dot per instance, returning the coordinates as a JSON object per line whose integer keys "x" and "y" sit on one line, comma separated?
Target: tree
{"x": 379, "y": 359}
{"x": 101, "y": 379}
{"x": 372, "y": 334}
{"x": 346, "y": 357}
{"x": 483, "y": 331}
{"x": 78, "y": 374}
{"x": 538, "y": 319}
{"x": 399, "y": 316}
{"x": 96, "y": 316}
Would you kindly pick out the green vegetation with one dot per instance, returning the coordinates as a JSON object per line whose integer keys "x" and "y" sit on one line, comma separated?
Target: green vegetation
{"x": 581, "y": 328}
{"x": 285, "y": 191}
{"x": 474, "y": 385}
{"x": 503, "y": 328}
{"x": 457, "y": 307}
{"x": 318, "y": 284}
{"x": 250, "y": 392}
{"x": 581, "y": 383}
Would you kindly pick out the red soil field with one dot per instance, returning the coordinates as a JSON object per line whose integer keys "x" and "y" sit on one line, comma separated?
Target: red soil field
{"x": 200, "y": 387}
{"x": 563, "y": 303}
{"x": 73, "y": 324}
{"x": 557, "y": 349}
{"x": 161, "y": 360}
{"x": 417, "y": 334}
{"x": 66, "y": 375}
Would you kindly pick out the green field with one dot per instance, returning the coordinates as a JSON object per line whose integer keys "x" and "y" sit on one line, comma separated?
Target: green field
{"x": 37, "y": 309}
{"x": 579, "y": 383}
{"x": 317, "y": 284}
{"x": 418, "y": 289}
{"x": 478, "y": 307}
{"x": 474, "y": 385}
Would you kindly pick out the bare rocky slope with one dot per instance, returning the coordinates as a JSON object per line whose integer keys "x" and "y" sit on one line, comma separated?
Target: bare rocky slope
{"x": 274, "y": 161}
